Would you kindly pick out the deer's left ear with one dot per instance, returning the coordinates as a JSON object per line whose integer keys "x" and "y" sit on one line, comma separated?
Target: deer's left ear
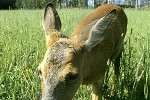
{"x": 98, "y": 30}
{"x": 51, "y": 24}
{"x": 51, "y": 19}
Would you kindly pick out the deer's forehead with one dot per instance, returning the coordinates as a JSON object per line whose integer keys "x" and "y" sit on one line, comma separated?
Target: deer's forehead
{"x": 58, "y": 54}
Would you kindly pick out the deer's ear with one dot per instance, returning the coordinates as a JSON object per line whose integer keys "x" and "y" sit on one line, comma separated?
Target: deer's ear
{"x": 51, "y": 20}
{"x": 51, "y": 24}
{"x": 98, "y": 30}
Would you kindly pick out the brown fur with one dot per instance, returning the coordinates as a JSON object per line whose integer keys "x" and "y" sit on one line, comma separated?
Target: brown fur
{"x": 99, "y": 13}
{"x": 81, "y": 58}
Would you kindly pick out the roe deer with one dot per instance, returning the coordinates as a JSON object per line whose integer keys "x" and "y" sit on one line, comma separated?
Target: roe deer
{"x": 82, "y": 57}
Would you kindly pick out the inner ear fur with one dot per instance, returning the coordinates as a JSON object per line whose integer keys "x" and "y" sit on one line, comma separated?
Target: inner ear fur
{"x": 51, "y": 19}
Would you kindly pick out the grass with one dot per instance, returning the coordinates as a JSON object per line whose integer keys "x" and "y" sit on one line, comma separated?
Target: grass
{"x": 22, "y": 47}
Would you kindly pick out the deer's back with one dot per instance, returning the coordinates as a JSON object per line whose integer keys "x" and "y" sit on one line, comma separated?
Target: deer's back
{"x": 100, "y": 12}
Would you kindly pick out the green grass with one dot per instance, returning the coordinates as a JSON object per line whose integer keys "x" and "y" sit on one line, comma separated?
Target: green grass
{"x": 22, "y": 47}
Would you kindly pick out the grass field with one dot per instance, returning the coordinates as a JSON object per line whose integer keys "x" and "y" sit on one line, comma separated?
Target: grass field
{"x": 22, "y": 47}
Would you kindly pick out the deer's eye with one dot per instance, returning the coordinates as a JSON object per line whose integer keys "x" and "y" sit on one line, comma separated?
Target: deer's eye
{"x": 71, "y": 77}
{"x": 39, "y": 72}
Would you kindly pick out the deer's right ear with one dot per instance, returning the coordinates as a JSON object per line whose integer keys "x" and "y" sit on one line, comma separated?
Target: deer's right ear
{"x": 51, "y": 20}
